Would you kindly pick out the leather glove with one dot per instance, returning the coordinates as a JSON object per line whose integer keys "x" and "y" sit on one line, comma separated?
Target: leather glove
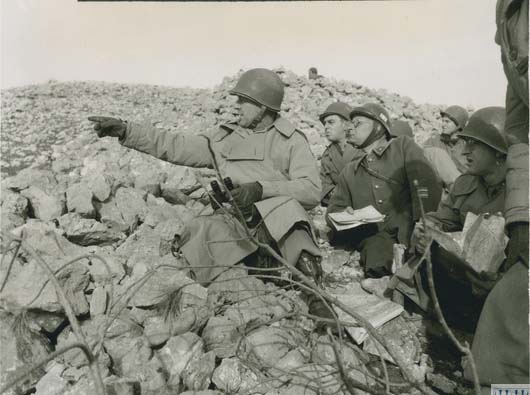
{"x": 245, "y": 195}
{"x": 518, "y": 244}
{"x": 108, "y": 126}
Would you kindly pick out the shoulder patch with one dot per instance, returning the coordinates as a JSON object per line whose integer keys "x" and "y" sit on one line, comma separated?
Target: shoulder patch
{"x": 285, "y": 127}
{"x": 465, "y": 184}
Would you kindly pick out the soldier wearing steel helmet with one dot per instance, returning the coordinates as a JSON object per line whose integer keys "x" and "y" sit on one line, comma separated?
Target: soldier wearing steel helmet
{"x": 381, "y": 174}
{"x": 271, "y": 166}
{"x": 481, "y": 189}
{"x": 336, "y": 121}
{"x": 454, "y": 119}
{"x": 500, "y": 346}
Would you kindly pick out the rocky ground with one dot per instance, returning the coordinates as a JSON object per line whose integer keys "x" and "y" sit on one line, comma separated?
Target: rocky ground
{"x": 151, "y": 327}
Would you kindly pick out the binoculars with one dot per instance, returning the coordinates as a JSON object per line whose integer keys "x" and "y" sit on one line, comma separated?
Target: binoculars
{"x": 220, "y": 195}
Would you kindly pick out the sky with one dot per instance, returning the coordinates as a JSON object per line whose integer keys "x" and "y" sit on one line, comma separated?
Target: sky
{"x": 435, "y": 51}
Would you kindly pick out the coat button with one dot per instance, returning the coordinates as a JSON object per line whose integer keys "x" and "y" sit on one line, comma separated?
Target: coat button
{"x": 380, "y": 201}
{"x": 370, "y": 160}
{"x": 376, "y": 186}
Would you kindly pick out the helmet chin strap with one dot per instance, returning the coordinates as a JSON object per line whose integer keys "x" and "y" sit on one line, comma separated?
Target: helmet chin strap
{"x": 257, "y": 120}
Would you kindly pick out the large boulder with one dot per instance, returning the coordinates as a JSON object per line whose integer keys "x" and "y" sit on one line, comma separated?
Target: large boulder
{"x": 87, "y": 231}
{"x": 125, "y": 210}
{"x": 29, "y": 287}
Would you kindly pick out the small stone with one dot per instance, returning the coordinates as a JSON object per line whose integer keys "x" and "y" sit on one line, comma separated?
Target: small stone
{"x": 179, "y": 351}
{"x": 99, "y": 185}
{"x": 158, "y": 287}
{"x": 441, "y": 383}
{"x": 14, "y": 209}
{"x": 323, "y": 352}
{"x": 149, "y": 180}
{"x": 231, "y": 377}
{"x": 197, "y": 374}
{"x": 122, "y": 386}
{"x": 144, "y": 241}
{"x": 43, "y": 205}
{"x": 52, "y": 383}
{"x": 221, "y": 336}
{"x": 268, "y": 345}
{"x": 123, "y": 211}
{"x": 79, "y": 200}
{"x": 12, "y": 357}
{"x": 98, "y": 301}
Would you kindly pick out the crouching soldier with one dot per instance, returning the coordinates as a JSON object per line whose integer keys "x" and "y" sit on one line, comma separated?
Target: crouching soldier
{"x": 381, "y": 174}
{"x": 274, "y": 174}
{"x": 336, "y": 121}
{"x": 480, "y": 190}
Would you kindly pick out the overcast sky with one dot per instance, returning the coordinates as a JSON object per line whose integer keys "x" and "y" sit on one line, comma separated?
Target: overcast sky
{"x": 438, "y": 51}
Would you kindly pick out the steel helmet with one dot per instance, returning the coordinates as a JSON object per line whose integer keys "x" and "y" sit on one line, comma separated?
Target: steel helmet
{"x": 262, "y": 86}
{"x": 456, "y": 114}
{"x": 487, "y": 126}
{"x": 343, "y": 110}
{"x": 401, "y": 128}
{"x": 373, "y": 111}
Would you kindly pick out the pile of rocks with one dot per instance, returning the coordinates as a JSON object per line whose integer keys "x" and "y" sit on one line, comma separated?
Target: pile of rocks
{"x": 152, "y": 327}
{"x": 36, "y": 117}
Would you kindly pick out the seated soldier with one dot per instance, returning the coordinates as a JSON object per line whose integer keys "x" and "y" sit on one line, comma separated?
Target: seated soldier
{"x": 273, "y": 171}
{"x": 454, "y": 119}
{"x": 381, "y": 174}
{"x": 481, "y": 189}
{"x": 336, "y": 121}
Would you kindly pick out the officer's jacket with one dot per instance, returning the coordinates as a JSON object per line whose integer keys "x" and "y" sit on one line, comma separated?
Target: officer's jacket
{"x": 469, "y": 194}
{"x": 512, "y": 36}
{"x": 278, "y": 158}
{"x": 332, "y": 162}
{"x": 384, "y": 179}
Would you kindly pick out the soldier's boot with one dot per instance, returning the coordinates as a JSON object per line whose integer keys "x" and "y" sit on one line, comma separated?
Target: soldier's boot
{"x": 310, "y": 266}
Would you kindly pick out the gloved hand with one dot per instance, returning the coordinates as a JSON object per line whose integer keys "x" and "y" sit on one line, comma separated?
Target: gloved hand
{"x": 245, "y": 195}
{"x": 108, "y": 126}
{"x": 420, "y": 238}
{"x": 518, "y": 244}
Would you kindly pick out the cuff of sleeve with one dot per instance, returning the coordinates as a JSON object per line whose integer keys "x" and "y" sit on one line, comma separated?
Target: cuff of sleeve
{"x": 270, "y": 189}
{"x": 128, "y": 137}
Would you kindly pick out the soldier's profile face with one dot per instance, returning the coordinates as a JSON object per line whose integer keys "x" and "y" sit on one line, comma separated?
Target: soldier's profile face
{"x": 481, "y": 159}
{"x": 362, "y": 128}
{"x": 247, "y": 110}
{"x": 335, "y": 128}
{"x": 448, "y": 126}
